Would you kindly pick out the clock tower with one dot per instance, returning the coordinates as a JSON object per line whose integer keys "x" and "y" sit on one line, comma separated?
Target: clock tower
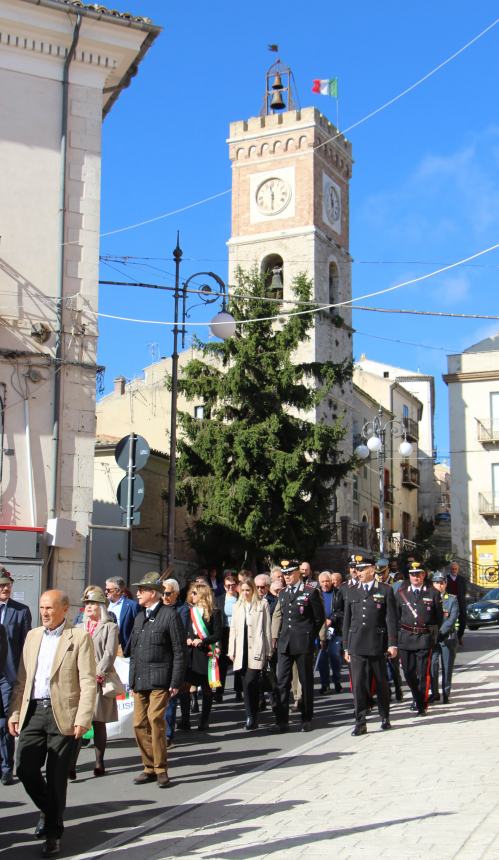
{"x": 290, "y": 215}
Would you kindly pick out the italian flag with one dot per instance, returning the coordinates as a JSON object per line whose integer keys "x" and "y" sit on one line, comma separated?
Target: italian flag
{"x": 328, "y": 87}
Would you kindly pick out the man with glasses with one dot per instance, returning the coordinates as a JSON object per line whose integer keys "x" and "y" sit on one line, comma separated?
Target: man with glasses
{"x": 226, "y": 602}
{"x": 124, "y": 610}
{"x": 16, "y": 618}
{"x": 294, "y": 631}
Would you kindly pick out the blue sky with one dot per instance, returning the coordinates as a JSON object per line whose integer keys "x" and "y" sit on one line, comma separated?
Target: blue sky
{"x": 425, "y": 186}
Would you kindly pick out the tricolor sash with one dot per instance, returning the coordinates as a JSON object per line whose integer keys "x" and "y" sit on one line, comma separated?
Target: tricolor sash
{"x": 201, "y": 632}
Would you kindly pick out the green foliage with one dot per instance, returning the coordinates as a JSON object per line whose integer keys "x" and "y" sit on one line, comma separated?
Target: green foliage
{"x": 256, "y": 474}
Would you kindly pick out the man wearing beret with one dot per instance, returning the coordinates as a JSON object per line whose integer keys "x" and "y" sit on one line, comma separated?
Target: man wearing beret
{"x": 369, "y": 632}
{"x": 294, "y": 630}
{"x": 16, "y": 618}
{"x": 419, "y": 610}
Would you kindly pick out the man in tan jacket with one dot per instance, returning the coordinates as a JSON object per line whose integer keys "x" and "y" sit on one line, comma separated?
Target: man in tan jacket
{"x": 51, "y": 708}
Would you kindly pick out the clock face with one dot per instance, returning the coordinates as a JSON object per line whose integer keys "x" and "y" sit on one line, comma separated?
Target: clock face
{"x": 273, "y": 195}
{"x": 333, "y": 203}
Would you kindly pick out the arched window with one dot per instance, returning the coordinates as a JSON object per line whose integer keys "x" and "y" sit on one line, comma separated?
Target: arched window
{"x": 273, "y": 274}
{"x": 334, "y": 284}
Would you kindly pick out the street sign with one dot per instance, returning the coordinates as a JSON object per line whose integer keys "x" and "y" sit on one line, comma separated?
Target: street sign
{"x": 141, "y": 453}
{"x": 137, "y": 492}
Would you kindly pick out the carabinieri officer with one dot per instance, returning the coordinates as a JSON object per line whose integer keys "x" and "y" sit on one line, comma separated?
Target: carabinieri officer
{"x": 369, "y": 633}
{"x": 420, "y": 612}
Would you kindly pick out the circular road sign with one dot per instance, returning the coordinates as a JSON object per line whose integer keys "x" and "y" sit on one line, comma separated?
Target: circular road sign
{"x": 137, "y": 492}
{"x": 122, "y": 453}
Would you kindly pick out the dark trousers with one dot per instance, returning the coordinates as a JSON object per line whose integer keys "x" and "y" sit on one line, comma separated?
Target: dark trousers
{"x": 7, "y": 742}
{"x": 305, "y": 666}
{"x": 223, "y": 660}
{"x": 251, "y": 687}
{"x": 393, "y": 669}
{"x": 416, "y": 666}
{"x": 41, "y": 740}
{"x": 362, "y": 669}
{"x": 443, "y": 656}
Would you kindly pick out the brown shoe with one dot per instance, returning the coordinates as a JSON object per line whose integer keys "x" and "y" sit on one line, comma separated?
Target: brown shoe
{"x": 163, "y": 781}
{"x": 144, "y": 777}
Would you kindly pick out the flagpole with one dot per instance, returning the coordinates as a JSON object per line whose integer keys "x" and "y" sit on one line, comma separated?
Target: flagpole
{"x": 337, "y": 113}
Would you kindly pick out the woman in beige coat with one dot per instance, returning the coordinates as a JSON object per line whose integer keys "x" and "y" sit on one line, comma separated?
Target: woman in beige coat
{"x": 104, "y": 633}
{"x": 250, "y": 645}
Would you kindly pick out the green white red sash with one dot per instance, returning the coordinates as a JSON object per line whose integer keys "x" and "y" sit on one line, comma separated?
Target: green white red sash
{"x": 202, "y": 633}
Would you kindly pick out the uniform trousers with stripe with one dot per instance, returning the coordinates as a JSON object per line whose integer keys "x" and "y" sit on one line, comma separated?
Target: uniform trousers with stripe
{"x": 416, "y": 666}
{"x": 361, "y": 668}
{"x": 305, "y": 666}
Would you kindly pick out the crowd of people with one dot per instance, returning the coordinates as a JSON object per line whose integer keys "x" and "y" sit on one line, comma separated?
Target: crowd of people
{"x": 273, "y": 631}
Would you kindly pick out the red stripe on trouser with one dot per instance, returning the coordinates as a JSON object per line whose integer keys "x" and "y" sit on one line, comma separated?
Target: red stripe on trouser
{"x": 428, "y": 678}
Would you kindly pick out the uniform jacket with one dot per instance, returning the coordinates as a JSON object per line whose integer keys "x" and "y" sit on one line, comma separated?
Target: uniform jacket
{"x": 197, "y": 658}
{"x": 129, "y": 612}
{"x": 421, "y": 612}
{"x": 17, "y": 623}
{"x": 297, "y": 620}
{"x": 73, "y": 687}
{"x": 258, "y": 630}
{"x": 450, "y": 608}
{"x": 370, "y": 620}
{"x": 158, "y": 650}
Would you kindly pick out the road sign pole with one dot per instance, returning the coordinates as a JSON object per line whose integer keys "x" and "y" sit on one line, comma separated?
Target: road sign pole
{"x": 129, "y": 504}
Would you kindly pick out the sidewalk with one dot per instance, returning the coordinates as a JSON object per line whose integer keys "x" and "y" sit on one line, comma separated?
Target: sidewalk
{"x": 429, "y": 788}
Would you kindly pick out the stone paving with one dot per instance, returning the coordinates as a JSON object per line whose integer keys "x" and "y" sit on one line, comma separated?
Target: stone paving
{"x": 427, "y": 789}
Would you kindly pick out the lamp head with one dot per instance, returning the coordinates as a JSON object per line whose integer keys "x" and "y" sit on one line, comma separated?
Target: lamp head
{"x": 223, "y": 325}
{"x": 374, "y": 444}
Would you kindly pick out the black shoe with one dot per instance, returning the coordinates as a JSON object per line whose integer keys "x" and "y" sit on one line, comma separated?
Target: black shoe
{"x": 184, "y": 726}
{"x": 306, "y": 726}
{"x": 51, "y": 847}
{"x": 413, "y": 707}
{"x": 203, "y": 726}
{"x": 40, "y": 827}
{"x": 281, "y": 728}
{"x": 385, "y": 725}
{"x": 72, "y": 775}
{"x": 359, "y": 730}
{"x": 239, "y": 697}
{"x": 445, "y": 700}
{"x": 399, "y": 694}
{"x": 7, "y": 778}
{"x": 434, "y": 697}
{"x": 251, "y": 724}
{"x": 324, "y": 689}
{"x": 338, "y": 688}
{"x": 422, "y": 712}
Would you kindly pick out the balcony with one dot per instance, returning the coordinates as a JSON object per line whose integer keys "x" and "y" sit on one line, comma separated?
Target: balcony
{"x": 488, "y": 504}
{"x": 410, "y": 477}
{"x": 411, "y": 429}
{"x": 388, "y": 493}
{"x": 487, "y": 431}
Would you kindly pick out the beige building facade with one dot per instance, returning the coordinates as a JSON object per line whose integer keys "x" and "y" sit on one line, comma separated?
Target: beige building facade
{"x": 473, "y": 381}
{"x": 62, "y": 66}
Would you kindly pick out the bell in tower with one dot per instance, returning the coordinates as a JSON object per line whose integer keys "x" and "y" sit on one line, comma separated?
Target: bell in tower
{"x": 278, "y": 89}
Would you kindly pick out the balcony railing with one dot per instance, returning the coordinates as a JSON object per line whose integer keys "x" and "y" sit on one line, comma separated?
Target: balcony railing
{"x": 410, "y": 477}
{"x": 411, "y": 429}
{"x": 388, "y": 493}
{"x": 487, "y": 431}
{"x": 488, "y": 504}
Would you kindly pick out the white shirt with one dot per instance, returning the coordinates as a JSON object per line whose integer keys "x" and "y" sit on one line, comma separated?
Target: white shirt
{"x": 150, "y": 609}
{"x": 2, "y": 611}
{"x": 46, "y": 654}
{"x": 367, "y": 585}
{"x": 116, "y": 608}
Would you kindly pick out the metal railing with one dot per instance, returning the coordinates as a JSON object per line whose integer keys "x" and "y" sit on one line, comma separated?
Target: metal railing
{"x": 411, "y": 429}
{"x": 487, "y": 430}
{"x": 488, "y": 504}
{"x": 410, "y": 476}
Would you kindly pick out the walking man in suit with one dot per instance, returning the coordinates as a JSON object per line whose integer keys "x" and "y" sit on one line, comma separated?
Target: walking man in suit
{"x": 369, "y": 633}
{"x": 124, "y": 610}
{"x": 51, "y": 708}
{"x": 294, "y": 631}
{"x": 16, "y": 618}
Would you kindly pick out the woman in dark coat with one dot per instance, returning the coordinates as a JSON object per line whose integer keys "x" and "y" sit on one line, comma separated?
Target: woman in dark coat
{"x": 204, "y": 634}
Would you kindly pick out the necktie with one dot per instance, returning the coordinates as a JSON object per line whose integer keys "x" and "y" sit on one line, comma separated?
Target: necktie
{"x": 366, "y": 588}
{"x": 148, "y": 613}
{"x": 416, "y": 592}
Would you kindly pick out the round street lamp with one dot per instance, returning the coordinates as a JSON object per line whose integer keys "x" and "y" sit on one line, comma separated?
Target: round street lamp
{"x": 373, "y": 442}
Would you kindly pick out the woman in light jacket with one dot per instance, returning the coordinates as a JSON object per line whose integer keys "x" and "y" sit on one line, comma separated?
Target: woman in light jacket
{"x": 104, "y": 632}
{"x": 250, "y": 645}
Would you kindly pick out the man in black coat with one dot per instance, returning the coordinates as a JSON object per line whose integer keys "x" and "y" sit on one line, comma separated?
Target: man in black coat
{"x": 456, "y": 584}
{"x": 16, "y": 618}
{"x": 157, "y": 666}
{"x": 294, "y": 630}
{"x": 420, "y": 615}
{"x": 369, "y": 633}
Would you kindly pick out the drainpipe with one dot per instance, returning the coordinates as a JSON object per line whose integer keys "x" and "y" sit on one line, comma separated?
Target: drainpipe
{"x": 60, "y": 292}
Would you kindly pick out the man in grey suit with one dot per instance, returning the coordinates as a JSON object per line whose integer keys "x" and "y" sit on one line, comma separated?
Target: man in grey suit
{"x": 16, "y": 618}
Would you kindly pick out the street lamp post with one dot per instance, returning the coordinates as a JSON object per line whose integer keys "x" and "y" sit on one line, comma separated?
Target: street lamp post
{"x": 373, "y": 436}
{"x": 223, "y": 326}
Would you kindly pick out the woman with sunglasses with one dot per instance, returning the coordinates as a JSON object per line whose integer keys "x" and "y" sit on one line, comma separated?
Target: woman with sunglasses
{"x": 250, "y": 645}
{"x": 204, "y": 634}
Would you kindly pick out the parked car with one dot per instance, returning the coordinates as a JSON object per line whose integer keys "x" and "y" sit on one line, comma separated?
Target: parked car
{"x": 443, "y": 517}
{"x": 485, "y": 611}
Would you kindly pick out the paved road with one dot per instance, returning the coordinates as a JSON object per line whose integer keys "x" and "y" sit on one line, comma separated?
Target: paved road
{"x": 201, "y": 766}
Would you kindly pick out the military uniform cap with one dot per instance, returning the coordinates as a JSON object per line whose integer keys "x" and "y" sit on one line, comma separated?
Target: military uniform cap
{"x": 439, "y": 576}
{"x": 289, "y": 566}
{"x": 5, "y": 576}
{"x": 382, "y": 563}
{"x": 362, "y": 560}
{"x": 151, "y": 580}
{"x": 416, "y": 567}
{"x": 96, "y": 595}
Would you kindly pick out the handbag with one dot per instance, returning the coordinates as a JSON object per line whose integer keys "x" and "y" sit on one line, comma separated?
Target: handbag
{"x": 112, "y": 686}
